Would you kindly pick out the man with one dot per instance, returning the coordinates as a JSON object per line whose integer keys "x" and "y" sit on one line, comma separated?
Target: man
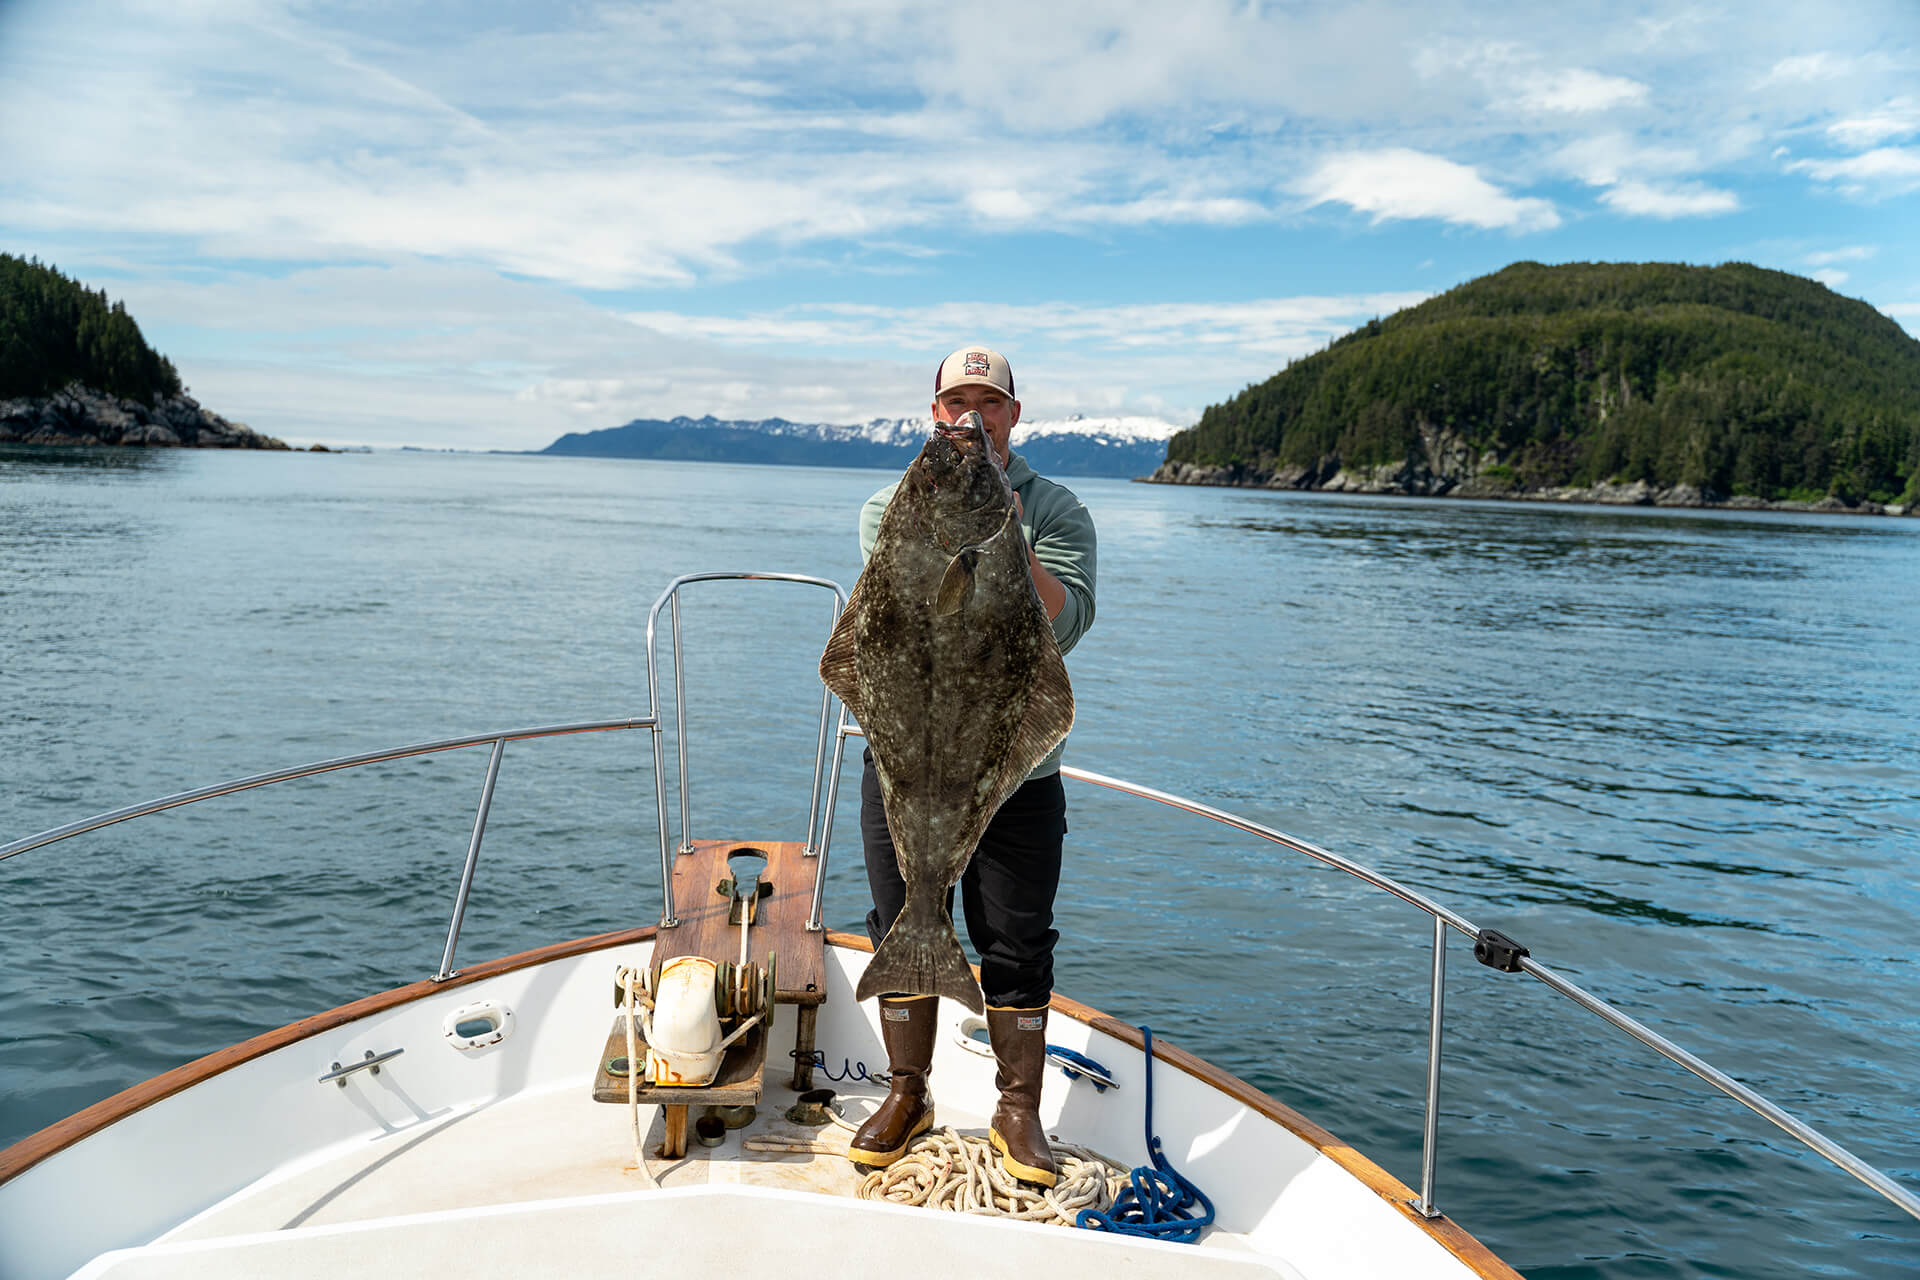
{"x": 1008, "y": 887}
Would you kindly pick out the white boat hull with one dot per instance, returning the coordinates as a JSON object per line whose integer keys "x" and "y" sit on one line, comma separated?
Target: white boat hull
{"x": 244, "y": 1163}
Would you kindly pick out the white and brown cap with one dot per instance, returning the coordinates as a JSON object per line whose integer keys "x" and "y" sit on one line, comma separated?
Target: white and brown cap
{"x": 980, "y": 365}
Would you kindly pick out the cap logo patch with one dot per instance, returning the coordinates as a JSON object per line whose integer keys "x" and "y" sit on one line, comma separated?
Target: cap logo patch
{"x": 977, "y": 365}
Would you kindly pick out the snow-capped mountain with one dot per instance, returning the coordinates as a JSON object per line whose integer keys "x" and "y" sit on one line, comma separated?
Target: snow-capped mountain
{"x": 1079, "y": 445}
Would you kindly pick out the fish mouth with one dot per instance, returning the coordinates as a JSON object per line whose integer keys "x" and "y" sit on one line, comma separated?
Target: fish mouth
{"x": 969, "y": 431}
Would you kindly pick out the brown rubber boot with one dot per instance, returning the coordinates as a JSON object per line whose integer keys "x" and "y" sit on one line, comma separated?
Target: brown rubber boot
{"x": 906, "y": 1026}
{"x": 1020, "y": 1045}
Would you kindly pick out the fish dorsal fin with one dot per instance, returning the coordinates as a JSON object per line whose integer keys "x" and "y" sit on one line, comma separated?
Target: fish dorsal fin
{"x": 837, "y": 660}
{"x": 956, "y": 584}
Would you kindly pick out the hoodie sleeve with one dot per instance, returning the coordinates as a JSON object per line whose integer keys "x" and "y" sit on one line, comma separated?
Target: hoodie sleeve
{"x": 870, "y": 519}
{"x": 1060, "y": 529}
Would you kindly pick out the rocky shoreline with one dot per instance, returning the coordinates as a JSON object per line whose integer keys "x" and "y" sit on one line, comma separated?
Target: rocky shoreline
{"x": 1488, "y": 479}
{"x": 77, "y": 415}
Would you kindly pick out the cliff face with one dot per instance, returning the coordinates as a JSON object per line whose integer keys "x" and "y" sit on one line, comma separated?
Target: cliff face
{"x": 77, "y": 415}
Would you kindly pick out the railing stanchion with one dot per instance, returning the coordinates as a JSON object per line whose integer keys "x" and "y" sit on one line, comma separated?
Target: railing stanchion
{"x": 473, "y": 860}
{"x": 814, "y": 923}
{"x": 680, "y": 727}
{"x": 820, "y": 754}
{"x": 667, "y": 919}
{"x": 1430, "y": 1151}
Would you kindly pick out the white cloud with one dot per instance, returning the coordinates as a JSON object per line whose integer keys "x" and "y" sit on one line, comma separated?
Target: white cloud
{"x": 1042, "y": 68}
{"x": 1645, "y": 200}
{"x": 1579, "y": 91}
{"x": 1896, "y": 119}
{"x": 617, "y": 145}
{"x": 1891, "y": 168}
{"x": 426, "y": 198}
{"x": 1267, "y": 327}
{"x": 1645, "y": 179}
{"x": 1603, "y": 159}
{"x": 1831, "y": 278}
{"x": 1205, "y": 211}
{"x": 1688, "y": 28}
{"x": 648, "y": 145}
{"x": 1524, "y": 80}
{"x": 447, "y": 355}
{"x": 1401, "y": 183}
{"x": 1851, "y": 253}
{"x": 1803, "y": 68}
{"x": 1000, "y": 202}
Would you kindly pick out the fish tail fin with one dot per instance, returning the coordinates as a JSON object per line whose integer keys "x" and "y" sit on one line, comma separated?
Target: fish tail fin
{"x": 921, "y": 956}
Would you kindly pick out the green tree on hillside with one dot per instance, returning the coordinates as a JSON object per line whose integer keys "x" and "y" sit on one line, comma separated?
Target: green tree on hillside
{"x": 54, "y": 330}
{"x": 1734, "y": 379}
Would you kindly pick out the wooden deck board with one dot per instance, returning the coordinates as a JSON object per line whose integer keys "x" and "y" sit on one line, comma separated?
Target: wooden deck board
{"x": 741, "y": 1078}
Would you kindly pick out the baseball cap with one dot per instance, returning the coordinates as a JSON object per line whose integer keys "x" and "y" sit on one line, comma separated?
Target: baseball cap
{"x": 980, "y": 365}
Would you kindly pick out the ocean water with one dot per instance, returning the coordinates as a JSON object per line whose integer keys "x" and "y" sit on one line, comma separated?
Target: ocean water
{"x": 1675, "y": 753}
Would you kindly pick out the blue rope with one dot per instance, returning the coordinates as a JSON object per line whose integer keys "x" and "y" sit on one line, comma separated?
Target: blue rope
{"x": 1099, "y": 1077}
{"x": 1157, "y": 1202}
{"x": 848, "y": 1068}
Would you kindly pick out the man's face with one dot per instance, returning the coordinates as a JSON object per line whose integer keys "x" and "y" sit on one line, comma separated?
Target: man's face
{"x": 992, "y": 404}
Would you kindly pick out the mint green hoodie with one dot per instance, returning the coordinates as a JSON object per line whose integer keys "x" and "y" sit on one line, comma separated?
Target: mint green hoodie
{"x": 1060, "y": 531}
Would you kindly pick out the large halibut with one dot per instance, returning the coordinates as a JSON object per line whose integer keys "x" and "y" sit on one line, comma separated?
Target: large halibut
{"x": 946, "y": 657}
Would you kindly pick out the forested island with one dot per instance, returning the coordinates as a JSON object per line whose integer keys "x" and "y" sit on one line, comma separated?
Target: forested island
{"x": 74, "y": 370}
{"x": 1613, "y": 382}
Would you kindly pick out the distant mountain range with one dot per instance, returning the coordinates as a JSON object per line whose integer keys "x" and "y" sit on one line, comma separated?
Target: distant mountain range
{"x": 1076, "y": 446}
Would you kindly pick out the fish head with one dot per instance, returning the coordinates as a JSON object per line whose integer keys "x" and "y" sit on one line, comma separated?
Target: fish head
{"x": 960, "y": 471}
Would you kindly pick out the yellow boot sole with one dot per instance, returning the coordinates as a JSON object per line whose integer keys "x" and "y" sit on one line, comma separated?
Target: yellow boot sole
{"x": 1024, "y": 1172}
{"x": 881, "y": 1159}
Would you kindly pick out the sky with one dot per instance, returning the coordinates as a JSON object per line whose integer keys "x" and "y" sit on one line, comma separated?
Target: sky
{"x": 482, "y": 225}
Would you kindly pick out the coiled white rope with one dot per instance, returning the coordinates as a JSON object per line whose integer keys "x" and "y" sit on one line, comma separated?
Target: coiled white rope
{"x": 961, "y": 1173}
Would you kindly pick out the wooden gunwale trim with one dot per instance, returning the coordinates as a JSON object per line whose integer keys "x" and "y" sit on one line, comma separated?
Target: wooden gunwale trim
{"x": 60, "y": 1135}
{"x": 1447, "y": 1233}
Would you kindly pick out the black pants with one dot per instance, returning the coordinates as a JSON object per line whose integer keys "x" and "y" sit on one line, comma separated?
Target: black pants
{"x": 1007, "y": 890}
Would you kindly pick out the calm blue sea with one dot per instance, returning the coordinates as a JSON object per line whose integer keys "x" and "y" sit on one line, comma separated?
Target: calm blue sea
{"x": 1675, "y": 753}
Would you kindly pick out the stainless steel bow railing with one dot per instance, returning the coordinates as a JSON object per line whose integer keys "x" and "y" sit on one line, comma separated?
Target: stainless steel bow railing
{"x": 1445, "y": 918}
{"x": 498, "y": 740}
{"x": 826, "y": 781}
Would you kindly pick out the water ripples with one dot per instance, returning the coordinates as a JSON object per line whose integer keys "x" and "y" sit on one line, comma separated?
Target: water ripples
{"x": 1672, "y": 752}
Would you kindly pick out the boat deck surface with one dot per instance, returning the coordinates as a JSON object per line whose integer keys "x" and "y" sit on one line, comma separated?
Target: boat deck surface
{"x": 497, "y": 1155}
{"x": 545, "y": 1182}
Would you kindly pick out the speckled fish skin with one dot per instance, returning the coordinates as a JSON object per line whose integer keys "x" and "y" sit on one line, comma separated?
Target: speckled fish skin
{"x": 946, "y": 657}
